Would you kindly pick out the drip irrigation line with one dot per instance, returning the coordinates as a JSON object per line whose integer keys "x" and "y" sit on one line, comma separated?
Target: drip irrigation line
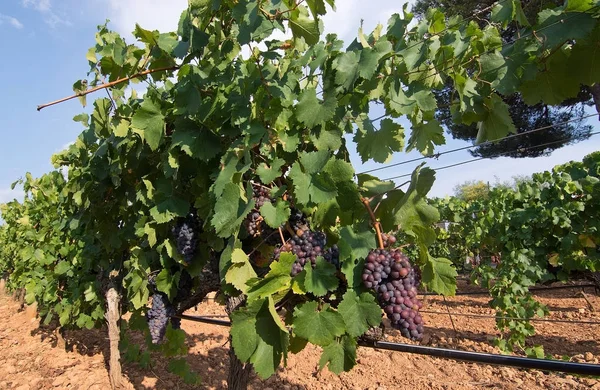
{"x": 438, "y": 155}
{"x": 488, "y": 358}
{"x": 474, "y": 357}
{"x": 533, "y": 289}
{"x": 510, "y": 318}
{"x": 493, "y": 156}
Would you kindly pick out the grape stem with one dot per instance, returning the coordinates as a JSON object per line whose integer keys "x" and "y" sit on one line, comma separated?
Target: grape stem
{"x": 281, "y": 235}
{"x": 374, "y": 221}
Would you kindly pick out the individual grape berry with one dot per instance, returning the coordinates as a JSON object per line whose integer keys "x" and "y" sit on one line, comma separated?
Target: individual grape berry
{"x": 186, "y": 234}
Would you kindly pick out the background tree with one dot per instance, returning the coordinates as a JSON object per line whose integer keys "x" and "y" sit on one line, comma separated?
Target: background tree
{"x": 525, "y": 117}
{"x": 472, "y": 190}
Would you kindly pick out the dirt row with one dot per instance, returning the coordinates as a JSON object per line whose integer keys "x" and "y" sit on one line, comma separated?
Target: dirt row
{"x": 34, "y": 357}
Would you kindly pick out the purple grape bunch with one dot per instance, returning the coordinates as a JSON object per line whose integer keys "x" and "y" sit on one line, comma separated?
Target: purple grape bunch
{"x": 390, "y": 274}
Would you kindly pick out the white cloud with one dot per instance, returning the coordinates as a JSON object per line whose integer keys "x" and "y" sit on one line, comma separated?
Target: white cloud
{"x": 10, "y": 20}
{"x": 164, "y": 15}
{"x": 44, "y": 7}
{"x": 38, "y": 5}
{"x": 158, "y": 15}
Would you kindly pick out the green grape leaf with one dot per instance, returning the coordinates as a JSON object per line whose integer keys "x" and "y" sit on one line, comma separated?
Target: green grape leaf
{"x": 497, "y": 122}
{"x": 275, "y": 216}
{"x": 169, "y": 209}
{"x": 321, "y": 279}
{"x": 305, "y": 27}
{"x": 381, "y": 144}
{"x": 195, "y": 141}
{"x": 149, "y": 122}
{"x": 277, "y": 280}
{"x": 257, "y": 336}
{"x": 346, "y": 66}
{"x": 440, "y": 275}
{"x": 268, "y": 174}
{"x": 311, "y": 183}
{"x": 340, "y": 355}
{"x": 240, "y": 271}
{"x": 359, "y": 312}
{"x": 311, "y": 112}
{"x": 230, "y": 210}
{"x": 424, "y": 137}
{"x": 319, "y": 327}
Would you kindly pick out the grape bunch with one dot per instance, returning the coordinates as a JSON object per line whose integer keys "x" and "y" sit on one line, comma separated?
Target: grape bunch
{"x": 186, "y": 232}
{"x": 393, "y": 278}
{"x": 158, "y": 316}
{"x": 332, "y": 255}
{"x": 307, "y": 246}
{"x": 261, "y": 195}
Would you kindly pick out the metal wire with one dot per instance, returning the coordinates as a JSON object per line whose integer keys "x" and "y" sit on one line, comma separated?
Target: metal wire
{"x": 437, "y": 155}
{"x": 490, "y": 157}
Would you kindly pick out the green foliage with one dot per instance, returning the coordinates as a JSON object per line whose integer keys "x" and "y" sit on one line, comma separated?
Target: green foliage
{"x": 542, "y": 229}
{"x": 217, "y": 120}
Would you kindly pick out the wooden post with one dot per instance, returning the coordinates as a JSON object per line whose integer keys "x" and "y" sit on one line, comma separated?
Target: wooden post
{"x": 113, "y": 316}
{"x": 239, "y": 373}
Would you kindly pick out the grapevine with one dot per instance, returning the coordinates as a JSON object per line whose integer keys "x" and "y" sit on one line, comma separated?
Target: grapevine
{"x": 255, "y": 143}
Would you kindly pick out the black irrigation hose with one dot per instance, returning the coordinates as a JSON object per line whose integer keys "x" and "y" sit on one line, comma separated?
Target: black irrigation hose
{"x": 204, "y": 320}
{"x": 534, "y": 289}
{"x": 488, "y": 358}
{"x": 475, "y": 357}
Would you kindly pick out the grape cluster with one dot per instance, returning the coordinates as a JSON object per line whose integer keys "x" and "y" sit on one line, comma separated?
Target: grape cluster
{"x": 307, "y": 246}
{"x": 261, "y": 195}
{"x": 332, "y": 255}
{"x": 185, "y": 232}
{"x": 392, "y": 277}
{"x": 158, "y": 316}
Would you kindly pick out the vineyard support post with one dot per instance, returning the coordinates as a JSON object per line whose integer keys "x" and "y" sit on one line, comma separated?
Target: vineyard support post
{"x": 113, "y": 316}
{"x": 239, "y": 373}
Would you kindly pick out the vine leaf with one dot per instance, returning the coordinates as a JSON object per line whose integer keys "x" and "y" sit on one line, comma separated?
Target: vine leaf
{"x": 340, "y": 355}
{"x": 277, "y": 280}
{"x": 275, "y": 216}
{"x": 268, "y": 174}
{"x": 311, "y": 183}
{"x": 319, "y": 327}
{"x": 230, "y": 210}
{"x": 149, "y": 122}
{"x": 240, "y": 270}
{"x": 305, "y": 27}
{"x": 497, "y": 122}
{"x": 425, "y": 136}
{"x": 258, "y": 336}
{"x": 321, "y": 279}
{"x": 359, "y": 312}
{"x": 440, "y": 275}
{"x": 311, "y": 112}
{"x": 378, "y": 145}
{"x": 196, "y": 142}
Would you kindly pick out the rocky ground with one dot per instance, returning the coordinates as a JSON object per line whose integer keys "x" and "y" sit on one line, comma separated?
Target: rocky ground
{"x": 34, "y": 357}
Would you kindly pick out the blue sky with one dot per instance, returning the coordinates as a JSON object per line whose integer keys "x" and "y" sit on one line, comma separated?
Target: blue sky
{"x": 44, "y": 44}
